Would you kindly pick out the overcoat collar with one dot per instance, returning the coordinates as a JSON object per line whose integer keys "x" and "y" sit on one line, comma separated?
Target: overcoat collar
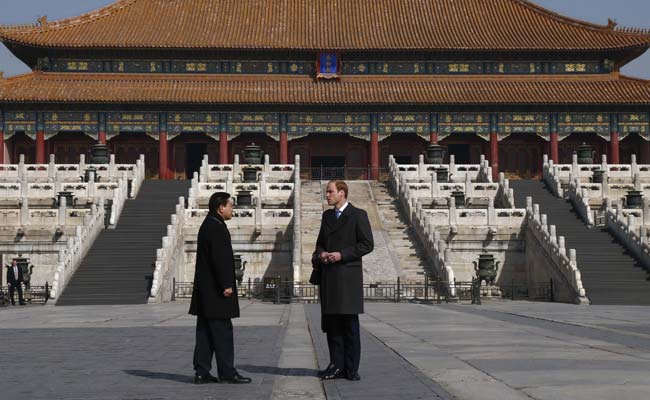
{"x": 218, "y": 219}
{"x": 335, "y": 223}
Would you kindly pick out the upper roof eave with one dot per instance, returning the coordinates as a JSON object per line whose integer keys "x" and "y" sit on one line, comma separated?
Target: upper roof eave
{"x": 180, "y": 89}
{"x": 144, "y": 29}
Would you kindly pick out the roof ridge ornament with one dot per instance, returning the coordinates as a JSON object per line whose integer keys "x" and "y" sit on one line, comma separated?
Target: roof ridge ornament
{"x": 611, "y": 24}
{"x": 42, "y": 21}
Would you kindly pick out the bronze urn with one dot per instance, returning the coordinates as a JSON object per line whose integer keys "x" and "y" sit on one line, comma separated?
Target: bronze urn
{"x": 239, "y": 268}
{"x": 586, "y": 154}
{"x": 99, "y": 154}
{"x": 634, "y": 199}
{"x": 435, "y": 154}
{"x": 486, "y": 268}
{"x": 253, "y": 154}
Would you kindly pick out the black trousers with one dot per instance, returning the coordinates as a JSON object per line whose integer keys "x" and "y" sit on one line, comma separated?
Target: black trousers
{"x": 214, "y": 336}
{"x": 343, "y": 341}
{"x": 19, "y": 288}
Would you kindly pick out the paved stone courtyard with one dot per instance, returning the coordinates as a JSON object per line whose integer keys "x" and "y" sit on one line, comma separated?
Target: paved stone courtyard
{"x": 499, "y": 350}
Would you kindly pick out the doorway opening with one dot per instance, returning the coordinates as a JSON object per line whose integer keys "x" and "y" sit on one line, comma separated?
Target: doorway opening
{"x": 328, "y": 167}
{"x": 194, "y": 153}
{"x": 460, "y": 152}
{"x": 403, "y": 159}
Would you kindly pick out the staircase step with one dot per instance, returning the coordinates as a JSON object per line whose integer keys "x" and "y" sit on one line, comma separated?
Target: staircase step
{"x": 115, "y": 269}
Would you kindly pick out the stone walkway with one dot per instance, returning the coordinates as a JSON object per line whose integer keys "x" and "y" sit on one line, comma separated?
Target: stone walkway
{"x": 384, "y": 374}
{"x": 500, "y": 350}
{"x": 522, "y": 350}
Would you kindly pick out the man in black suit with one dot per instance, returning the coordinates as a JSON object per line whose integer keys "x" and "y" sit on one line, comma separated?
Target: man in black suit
{"x": 14, "y": 281}
{"x": 214, "y": 296}
{"x": 345, "y": 236}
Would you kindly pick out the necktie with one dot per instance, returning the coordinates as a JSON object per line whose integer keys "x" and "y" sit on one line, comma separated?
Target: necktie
{"x": 338, "y": 213}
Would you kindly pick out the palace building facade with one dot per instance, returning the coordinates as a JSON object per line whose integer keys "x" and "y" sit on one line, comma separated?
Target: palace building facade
{"x": 342, "y": 83}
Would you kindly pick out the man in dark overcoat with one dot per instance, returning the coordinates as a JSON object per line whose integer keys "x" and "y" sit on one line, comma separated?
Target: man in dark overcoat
{"x": 15, "y": 280}
{"x": 214, "y": 296}
{"x": 345, "y": 236}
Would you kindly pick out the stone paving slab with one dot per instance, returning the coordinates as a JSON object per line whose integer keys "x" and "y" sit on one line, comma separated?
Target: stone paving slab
{"x": 384, "y": 374}
{"x": 130, "y": 352}
{"x": 123, "y": 363}
{"x": 503, "y": 351}
{"x": 500, "y": 350}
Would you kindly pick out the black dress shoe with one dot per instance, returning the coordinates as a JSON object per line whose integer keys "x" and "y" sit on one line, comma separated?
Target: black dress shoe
{"x": 335, "y": 373}
{"x": 353, "y": 376}
{"x": 201, "y": 379}
{"x": 236, "y": 379}
{"x": 326, "y": 371}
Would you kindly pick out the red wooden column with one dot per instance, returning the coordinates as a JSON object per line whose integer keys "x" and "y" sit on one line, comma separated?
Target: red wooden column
{"x": 494, "y": 155}
{"x": 102, "y": 137}
{"x": 374, "y": 147}
{"x": 40, "y": 147}
{"x": 374, "y": 155}
{"x": 2, "y": 145}
{"x": 555, "y": 154}
{"x": 284, "y": 139}
{"x": 101, "y": 128}
{"x": 163, "y": 156}
{"x": 614, "y": 152}
{"x": 40, "y": 139}
{"x": 223, "y": 138}
{"x": 284, "y": 148}
{"x": 223, "y": 147}
{"x": 494, "y": 147}
{"x": 614, "y": 149}
{"x": 433, "y": 128}
{"x": 433, "y": 138}
{"x": 163, "y": 143}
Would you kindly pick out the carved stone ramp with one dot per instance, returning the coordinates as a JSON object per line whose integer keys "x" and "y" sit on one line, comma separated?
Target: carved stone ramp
{"x": 610, "y": 275}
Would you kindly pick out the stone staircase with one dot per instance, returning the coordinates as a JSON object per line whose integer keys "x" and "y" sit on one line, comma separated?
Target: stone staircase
{"x": 381, "y": 265}
{"x": 610, "y": 275}
{"x": 311, "y": 211}
{"x": 117, "y": 266}
{"x": 411, "y": 257}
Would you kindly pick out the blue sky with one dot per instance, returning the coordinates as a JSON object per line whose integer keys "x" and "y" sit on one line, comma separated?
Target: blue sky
{"x": 625, "y": 12}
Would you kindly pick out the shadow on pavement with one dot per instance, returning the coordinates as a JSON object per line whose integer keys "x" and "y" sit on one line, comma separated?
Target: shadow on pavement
{"x": 159, "y": 375}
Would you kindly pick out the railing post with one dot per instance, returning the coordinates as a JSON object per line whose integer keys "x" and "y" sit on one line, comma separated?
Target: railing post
{"x": 173, "y": 289}
{"x": 398, "y": 289}
{"x": 426, "y": 288}
{"x": 551, "y": 297}
{"x": 512, "y": 296}
{"x": 47, "y": 291}
{"x": 476, "y": 291}
{"x": 277, "y": 290}
{"x": 248, "y": 292}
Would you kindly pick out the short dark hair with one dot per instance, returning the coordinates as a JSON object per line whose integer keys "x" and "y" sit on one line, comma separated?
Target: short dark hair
{"x": 216, "y": 200}
{"x": 340, "y": 186}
